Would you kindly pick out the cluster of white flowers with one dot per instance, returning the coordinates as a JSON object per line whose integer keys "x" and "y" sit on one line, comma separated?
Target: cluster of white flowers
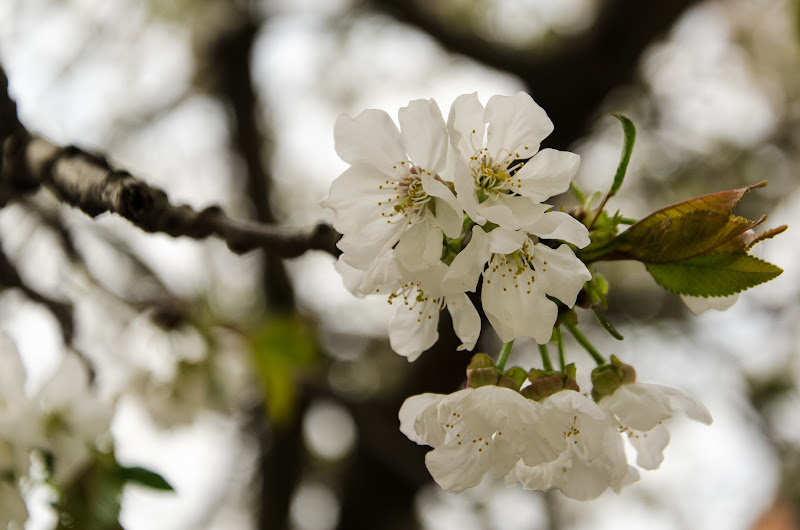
{"x": 564, "y": 441}
{"x": 62, "y": 420}
{"x": 427, "y": 209}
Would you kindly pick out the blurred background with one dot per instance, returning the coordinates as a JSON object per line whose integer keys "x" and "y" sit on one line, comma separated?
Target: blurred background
{"x": 264, "y": 392}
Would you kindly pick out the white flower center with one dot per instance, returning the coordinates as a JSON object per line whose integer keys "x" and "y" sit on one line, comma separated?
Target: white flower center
{"x": 492, "y": 176}
{"x": 513, "y": 270}
{"x": 407, "y": 198}
{"x": 415, "y": 299}
{"x": 456, "y": 432}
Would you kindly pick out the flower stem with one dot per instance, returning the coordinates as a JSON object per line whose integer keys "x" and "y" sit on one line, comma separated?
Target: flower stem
{"x": 562, "y": 363}
{"x": 546, "y": 364}
{"x": 583, "y": 341}
{"x": 503, "y": 358}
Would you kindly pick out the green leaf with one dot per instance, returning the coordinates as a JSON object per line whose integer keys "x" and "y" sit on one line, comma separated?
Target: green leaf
{"x": 625, "y": 157}
{"x": 718, "y": 274}
{"x": 144, "y": 477}
{"x": 672, "y": 235}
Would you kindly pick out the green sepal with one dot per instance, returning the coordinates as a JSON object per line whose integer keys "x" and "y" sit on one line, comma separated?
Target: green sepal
{"x": 545, "y": 383}
{"x": 718, "y": 274}
{"x": 481, "y": 371}
{"x": 608, "y": 378}
{"x": 513, "y": 378}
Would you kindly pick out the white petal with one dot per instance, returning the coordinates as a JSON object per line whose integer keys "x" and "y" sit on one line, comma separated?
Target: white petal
{"x": 419, "y": 246}
{"x": 517, "y": 125}
{"x": 677, "y": 400}
{"x": 547, "y": 174}
{"x": 636, "y": 409}
{"x": 465, "y": 191}
{"x": 468, "y": 265}
{"x": 371, "y": 137}
{"x": 449, "y": 214}
{"x": 560, "y": 271}
{"x": 511, "y": 212}
{"x": 411, "y": 412}
{"x": 504, "y": 241}
{"x": 699, "y": 305}
{"x": 457, "y": 467}
{"x": 382, "y": 275}
{"x": 365, "y": 246}
{"x": 424, "y": 134}
{"x": 494, "y": 305}
{"x": 562, "y": 226}
{"x": 466, "y": 320}
{"x": 517, "y": 310}
{"x": 413, "y": 329}
{"x": 641, "y": 406}
{"x": 12, "y": 372}
{"x": 465, "y": 124}
{"x": 649, "y": 445}
{"x": 355, "y": 196}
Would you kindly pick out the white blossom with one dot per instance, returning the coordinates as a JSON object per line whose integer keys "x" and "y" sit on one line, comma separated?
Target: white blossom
{"x": 476, "y": 431}
{"x": 639, "y": 409}
{"x": 520, "y": 273}
{"x": 594, "y": 459}
{"x": 63, "y": 417}
{"x": 500, "y": 175}
{"x": 393, "y": 195}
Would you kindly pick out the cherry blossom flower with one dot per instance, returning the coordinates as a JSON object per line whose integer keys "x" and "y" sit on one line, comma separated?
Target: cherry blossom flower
{"x": 639, "y": 409}
{"x": 593, "y": 460}
{"x": 500, "y": 174}
{"x": 393, "y": 195}
{"x": 418, "y": 302}
{"x": 62, "y": 418}
{"x": 476, "y": 431}
{"x": 520, "y": 274}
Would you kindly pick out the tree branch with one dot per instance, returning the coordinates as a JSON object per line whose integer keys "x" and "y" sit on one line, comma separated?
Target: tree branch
{"x": 87, "y": 182}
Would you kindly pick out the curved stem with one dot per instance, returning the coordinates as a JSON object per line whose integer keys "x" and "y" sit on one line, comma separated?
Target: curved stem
{"x": 547, "y": 365}
{"x": 501, "y": 360}
{"x": 584, "y": 342}
{"x": 560, "y": 342}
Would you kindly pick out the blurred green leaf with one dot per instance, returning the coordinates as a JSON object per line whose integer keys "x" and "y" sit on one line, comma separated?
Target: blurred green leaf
{"x": 718, "y": 274}
{"x": 144, "y": 477}
{"x": 281, "y": 347}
